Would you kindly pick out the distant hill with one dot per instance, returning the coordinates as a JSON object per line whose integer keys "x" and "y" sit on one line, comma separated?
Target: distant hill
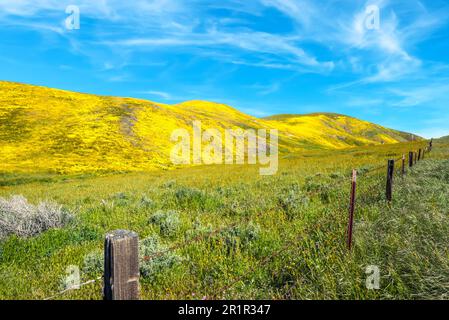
{"x": 334, "y": 130}
{"x": 44, "y": 129}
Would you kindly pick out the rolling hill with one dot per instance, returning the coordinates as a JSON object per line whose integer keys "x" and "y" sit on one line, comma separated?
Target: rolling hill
{"x": 51, "y": 130}
{"x": 337, "y": 131}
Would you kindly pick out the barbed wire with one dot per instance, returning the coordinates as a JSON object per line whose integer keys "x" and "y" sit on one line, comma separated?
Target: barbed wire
{"x": 75, "y": 287}
{"x": 191, "y": 241}
{"x": 200, "y": 237}
{"x": 264, "y": 262}
{"x": 212, "y": 233}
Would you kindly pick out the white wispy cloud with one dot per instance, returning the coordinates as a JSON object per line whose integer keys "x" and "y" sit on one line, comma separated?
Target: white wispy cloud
{"x": 173, "y": 23}
{"x": 159, "y": 94}
{"x": 382, "y": 55}
{"x": 265, "y": 89}
{"x": 278, "y": 48}
{"x": 418, "y": 95}
{"x": 326, "y": 37}
{"x": 303, "y": 12}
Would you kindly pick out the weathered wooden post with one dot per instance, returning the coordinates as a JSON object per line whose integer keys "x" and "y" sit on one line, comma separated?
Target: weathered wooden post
{"x": 352, "y": 208}
{"x": 390, "y": 172}
{"x": 419, "y": 154}
{"x": 121, "y": 266}
{"x": 430, "y": 144}
{"x": 403, "y": 164}
{"x": 415, "y": 157}
{"x": 410, "y": 159}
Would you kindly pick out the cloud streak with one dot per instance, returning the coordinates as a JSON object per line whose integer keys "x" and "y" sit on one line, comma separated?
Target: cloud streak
{"x": 324, "y": 42}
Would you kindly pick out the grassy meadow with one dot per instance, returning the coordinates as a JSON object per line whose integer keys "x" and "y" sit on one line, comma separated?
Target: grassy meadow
{"x": 300, "y": 213}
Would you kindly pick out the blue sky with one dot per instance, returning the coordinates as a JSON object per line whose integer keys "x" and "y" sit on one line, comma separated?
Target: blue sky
{"x": 262, "y": 56}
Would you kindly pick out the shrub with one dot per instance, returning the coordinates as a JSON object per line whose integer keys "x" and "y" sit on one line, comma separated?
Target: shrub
{"x": 150, "y": 267}
{"x": 198, "y": 230}
{"x": 94, "y": 263}
{"x": 363, "y": 170}
{"x": 121, "y": 199}
{"x": 336, "y": 175}
{"x": 169, "y": 184}
{"x": 240, "y": 235}
{"x": 71, "y": 280}
{"x": 20, "y": 218}
{"x": 146, "y": 202}
{"x": 168, "y": 222}
{"x": 237, "y": 208}
{"x": 320, "y": 188}
{"x": 292, "y": 202}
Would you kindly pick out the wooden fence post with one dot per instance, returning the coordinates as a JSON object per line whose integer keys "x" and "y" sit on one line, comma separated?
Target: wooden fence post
{"x": 419, "y": 154}
{"x": 352, "y": 208}
{"x": 410, "y": 159}
{"x": 430, "y": 144}
{"x": 390, "y": 172}
{"x": 415, "y": 157}
{"x": 121, "y": 266}
{"x": 403, "y": 164}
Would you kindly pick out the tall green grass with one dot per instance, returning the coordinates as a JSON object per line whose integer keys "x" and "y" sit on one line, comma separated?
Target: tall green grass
{"x": 304, "y": 206}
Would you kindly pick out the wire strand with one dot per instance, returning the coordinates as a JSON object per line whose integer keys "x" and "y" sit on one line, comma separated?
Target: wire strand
{"x": 76, "y": 287}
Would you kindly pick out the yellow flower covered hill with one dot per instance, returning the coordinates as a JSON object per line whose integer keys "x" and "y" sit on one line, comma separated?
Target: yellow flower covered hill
{"x": 50, "y": 130}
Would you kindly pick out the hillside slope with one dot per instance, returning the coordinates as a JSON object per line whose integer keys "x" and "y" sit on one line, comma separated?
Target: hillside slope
{"x": 337, "y": 131}
{"x": 43, "y": 129}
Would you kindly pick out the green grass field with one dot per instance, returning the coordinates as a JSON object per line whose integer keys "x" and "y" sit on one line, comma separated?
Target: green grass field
{"x": 301, "y": 214}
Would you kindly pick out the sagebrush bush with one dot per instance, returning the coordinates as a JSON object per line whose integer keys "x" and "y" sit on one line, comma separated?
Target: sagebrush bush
{"x": 169, "y": 184}
{"x": 19, "y": 217}
{"x": 150, "y": 264}
{"x": 240, "y": 235}
{"x": 146, "y": 202}
{"x": 292, "y": 202}
{"x": 320, "y": 188}
{"x": 121, "y": 199}
{"x": 198, "y": 229}
{"x": 94, "y": 263}
{"x": 237, "y": 208}
{"x": 363, "y": 170}
{"x": 167, "y": 221}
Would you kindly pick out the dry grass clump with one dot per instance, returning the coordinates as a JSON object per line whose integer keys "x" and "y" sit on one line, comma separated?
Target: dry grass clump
{"x": 23, "y": 219}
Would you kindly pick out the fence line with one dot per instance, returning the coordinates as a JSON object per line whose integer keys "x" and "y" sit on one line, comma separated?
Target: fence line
{"x": 76, "y": 287}
{"x": 350, "y": 228}
{"x": 117, "y": 286}
{"x": 193, "y": 240}
{"x": 349, "y": 242}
